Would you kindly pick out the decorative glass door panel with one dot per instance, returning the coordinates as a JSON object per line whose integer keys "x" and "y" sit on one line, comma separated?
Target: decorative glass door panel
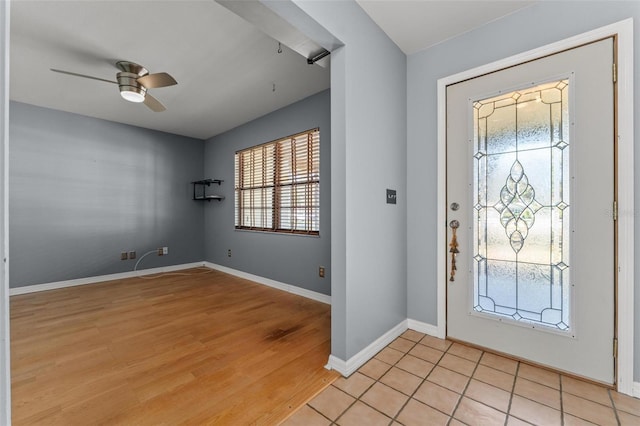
{"x": 521, "y": 186}
{"x": 530, "y": 187}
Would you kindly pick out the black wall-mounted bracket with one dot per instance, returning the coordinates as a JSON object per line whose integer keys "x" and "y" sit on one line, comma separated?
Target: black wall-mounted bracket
{"x": 202, "y": 194}
{"x": 312, "y": 60}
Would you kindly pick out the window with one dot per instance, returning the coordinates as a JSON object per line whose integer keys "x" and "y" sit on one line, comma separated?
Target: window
{"x": 522, "y": 199}
{"x": 277, "y": 185}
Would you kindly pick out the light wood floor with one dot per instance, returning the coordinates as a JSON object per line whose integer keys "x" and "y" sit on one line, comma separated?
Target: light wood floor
{"x": 200, "y": 348}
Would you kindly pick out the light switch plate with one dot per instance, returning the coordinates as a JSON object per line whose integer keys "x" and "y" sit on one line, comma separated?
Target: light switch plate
{"x": 391, "y": 196}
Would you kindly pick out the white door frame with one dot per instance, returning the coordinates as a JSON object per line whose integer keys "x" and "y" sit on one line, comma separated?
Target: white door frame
{"x": 624, "y": 31}
{"x": 5, "y": 370}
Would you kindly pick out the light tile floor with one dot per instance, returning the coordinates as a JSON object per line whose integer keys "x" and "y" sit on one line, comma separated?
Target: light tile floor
{"x": 422, "y": 380}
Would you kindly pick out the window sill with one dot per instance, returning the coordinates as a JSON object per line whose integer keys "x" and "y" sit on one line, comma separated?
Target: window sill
{"x": 292, "y": 234}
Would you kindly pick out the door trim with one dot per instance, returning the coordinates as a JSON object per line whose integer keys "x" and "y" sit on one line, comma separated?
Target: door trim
{"x": 5, "y": 332}
{"x": 623, "y": 31}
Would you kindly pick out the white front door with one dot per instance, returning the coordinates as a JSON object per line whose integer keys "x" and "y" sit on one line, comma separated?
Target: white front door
{"x": 530, "y": 180}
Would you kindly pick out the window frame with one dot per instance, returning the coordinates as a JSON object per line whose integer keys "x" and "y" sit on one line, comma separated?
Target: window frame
{"x": 276, "y": 190}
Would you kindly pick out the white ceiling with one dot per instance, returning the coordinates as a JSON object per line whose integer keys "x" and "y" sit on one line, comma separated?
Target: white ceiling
{"x": 225, "y": 67}
{"x": 415, "y": 25}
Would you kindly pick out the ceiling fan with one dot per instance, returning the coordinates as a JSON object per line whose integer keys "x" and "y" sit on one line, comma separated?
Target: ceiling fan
{"x": 134, "y": 81}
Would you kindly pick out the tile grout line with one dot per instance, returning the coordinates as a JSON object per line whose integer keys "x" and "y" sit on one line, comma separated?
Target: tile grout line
{"x": 413, "y": 345}
{"x": 585, "y": 398}
{"x": 516, "y": 377}
{"x": 348, "y": 407}
{"x": 513, "y": 389}
{"x": 394, "y": 419}
{"x": 464, "y": 391}
{"x": 423, "y": 379}
{"x": 374, "y": 382}
{"x": 315, "y": 411}
{"x": 561, "y": 401}
{"x": 421, "y": 383}
{"x": 512, "y": 393}
{"x": 478, "y": 363}
{"x": 378, "y": 381}
{"x": 356, "y": 399}
{"x": 613, "y": 405}
{"x": 437, "y": 364}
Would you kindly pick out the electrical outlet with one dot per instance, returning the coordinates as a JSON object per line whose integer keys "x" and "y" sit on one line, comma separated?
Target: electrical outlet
{"x": 124, "y": 255}
{"x": 160, "y": 251}
{"x": 229, "y": 253}
{"x": 165, "y": 250}
{"x": 132, "y": 255}
{"x": 321, "y": 272}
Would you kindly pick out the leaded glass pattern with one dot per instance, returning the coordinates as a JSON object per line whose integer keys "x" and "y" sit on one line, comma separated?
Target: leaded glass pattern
{"x": 521, "y": 205}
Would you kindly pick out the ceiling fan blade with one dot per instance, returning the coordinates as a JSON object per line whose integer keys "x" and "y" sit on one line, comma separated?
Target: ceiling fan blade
{"x": 83, "y": 76}
{"x": 161, "y": 79}
{"x": 153, "y": 103}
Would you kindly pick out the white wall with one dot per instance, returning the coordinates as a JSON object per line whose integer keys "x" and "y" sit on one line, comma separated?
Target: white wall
{"x": 538, "y": 25}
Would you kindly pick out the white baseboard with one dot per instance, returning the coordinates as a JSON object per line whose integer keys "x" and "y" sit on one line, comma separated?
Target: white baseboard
{"x": 339, "y": 365}
{"x": 101, "y": 278}
{"x": 346, "y": 368}
{"x": 423, "y": 327}
{"x": 164, "y": 269}
{"x": 636, "y": 390}
{"x": 319, "y": 297}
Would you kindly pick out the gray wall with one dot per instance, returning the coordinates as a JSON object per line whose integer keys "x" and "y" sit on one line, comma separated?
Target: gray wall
{"x": 291, "y": 259}
{"x": 368, "y": 116}
{"x": 81, "y": 190}
{"x": 535, "y": 26}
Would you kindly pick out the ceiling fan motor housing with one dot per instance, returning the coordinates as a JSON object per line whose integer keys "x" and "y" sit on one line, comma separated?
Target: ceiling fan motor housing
{"x": 130, "y": 89}
{"x": 127, "y": 82}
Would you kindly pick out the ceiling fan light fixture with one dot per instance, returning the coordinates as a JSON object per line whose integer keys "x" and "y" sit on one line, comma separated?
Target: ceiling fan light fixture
{"x": 130, "y": 89}
{"x": 132, "y": 94}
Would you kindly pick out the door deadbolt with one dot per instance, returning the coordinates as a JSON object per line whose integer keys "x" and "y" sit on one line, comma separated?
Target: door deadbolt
{"x": 454, "y": 206}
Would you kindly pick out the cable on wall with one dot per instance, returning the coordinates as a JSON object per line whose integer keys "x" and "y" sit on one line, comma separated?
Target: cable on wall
{"x": 135, "y": 268}
{"x": 154, "y": 276}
